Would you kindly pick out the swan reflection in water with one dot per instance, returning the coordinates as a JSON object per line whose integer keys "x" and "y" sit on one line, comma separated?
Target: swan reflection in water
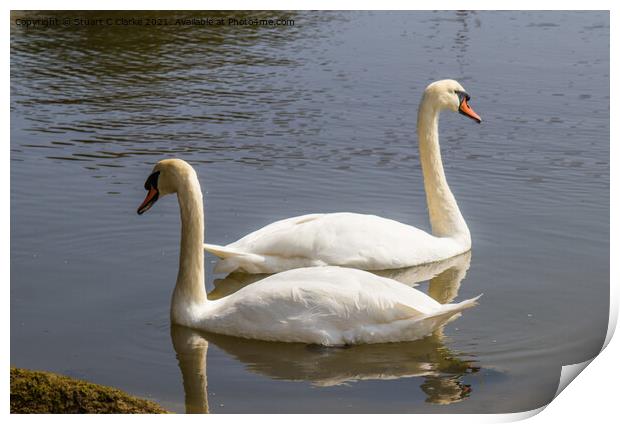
{"x": 427, "y": 358}
{"x": 442, "y": 288}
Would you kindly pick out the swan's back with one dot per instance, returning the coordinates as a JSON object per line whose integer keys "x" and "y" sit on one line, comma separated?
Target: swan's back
{"x": 330, "y": 306}
{"x": 346, "y": 239}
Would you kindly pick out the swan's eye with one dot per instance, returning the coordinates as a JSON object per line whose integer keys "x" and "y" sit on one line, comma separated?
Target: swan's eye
{"x": 462, "y": 95}
{"x": 151, "y": 181}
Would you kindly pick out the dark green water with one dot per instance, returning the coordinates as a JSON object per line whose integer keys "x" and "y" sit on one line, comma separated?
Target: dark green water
{"x": 315, "y": 117}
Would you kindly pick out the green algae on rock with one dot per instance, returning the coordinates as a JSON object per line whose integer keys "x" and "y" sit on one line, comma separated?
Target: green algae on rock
{"x": 38, "y": 392}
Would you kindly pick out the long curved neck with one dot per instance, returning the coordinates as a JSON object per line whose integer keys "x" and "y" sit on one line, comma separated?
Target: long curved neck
{"x": 190, "y": 289}
{"x": 445, "y": 216}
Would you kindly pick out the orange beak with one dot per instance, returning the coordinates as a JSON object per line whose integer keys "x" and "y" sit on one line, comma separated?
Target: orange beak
{"x": 151, "y": 198}
{"x": 466, "y": 110}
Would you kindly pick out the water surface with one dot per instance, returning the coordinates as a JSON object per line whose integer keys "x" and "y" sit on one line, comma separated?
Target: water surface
{"x": 315, "y": 117}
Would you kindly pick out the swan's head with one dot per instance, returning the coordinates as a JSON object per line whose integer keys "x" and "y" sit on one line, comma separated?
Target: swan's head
{"x": 449, "y": 94}
{"x": 167, "y": 177}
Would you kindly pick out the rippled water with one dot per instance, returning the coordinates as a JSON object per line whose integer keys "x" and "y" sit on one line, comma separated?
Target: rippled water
{"x": 315, "y": 117}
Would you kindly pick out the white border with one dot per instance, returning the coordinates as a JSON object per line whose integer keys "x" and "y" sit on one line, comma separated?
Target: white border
{"x": 593, "y": 396}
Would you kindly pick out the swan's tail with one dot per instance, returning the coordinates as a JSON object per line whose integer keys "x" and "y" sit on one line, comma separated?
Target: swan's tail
{"x": 222, "y": 252}
{"x": 420, "y": 326}
{"x": 453, "y": 308}
{"x": 233, "y": 259}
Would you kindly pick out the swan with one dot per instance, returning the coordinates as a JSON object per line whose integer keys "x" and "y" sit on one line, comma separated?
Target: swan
{"x": 322, "y": 305}
{"x": 362, "y": 241}
{"x": 430, "y": 359}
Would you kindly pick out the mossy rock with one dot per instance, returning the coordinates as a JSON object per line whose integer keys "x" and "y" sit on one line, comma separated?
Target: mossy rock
{"x": 37, "y": 392}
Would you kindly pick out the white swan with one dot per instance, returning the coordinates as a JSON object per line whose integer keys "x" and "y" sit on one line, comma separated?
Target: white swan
{"x": 429, "y": 358}
{"x": 327, "y": 305}
{"x": 366, "y": 241}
